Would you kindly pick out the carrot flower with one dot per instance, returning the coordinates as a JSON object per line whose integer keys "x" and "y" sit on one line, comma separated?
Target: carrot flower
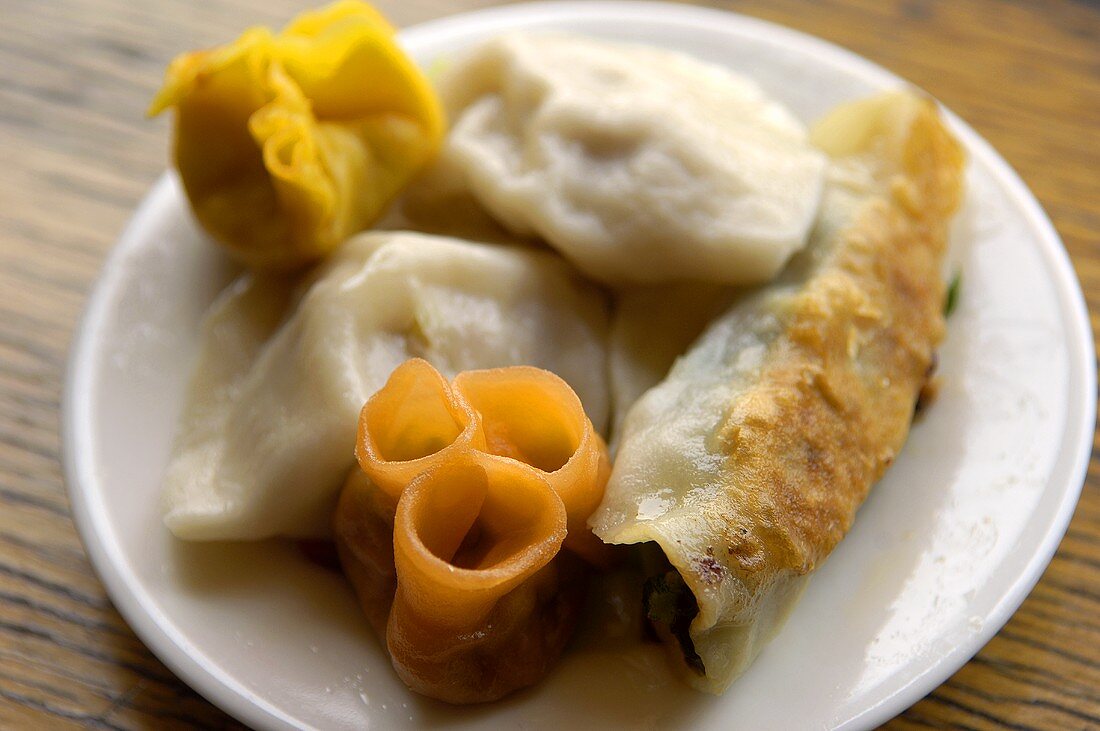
{"x": 363, "y": 525}
{"x": 412, "y": 423}
{"x": 533, "y": 416}
{"x": 492, "y": 474}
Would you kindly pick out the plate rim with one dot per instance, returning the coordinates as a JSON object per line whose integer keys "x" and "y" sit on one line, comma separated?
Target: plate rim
{"x": 170, "y": 647}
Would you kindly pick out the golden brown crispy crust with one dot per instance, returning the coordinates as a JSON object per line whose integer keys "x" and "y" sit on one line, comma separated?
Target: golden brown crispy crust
{"x": 833, "y": 405}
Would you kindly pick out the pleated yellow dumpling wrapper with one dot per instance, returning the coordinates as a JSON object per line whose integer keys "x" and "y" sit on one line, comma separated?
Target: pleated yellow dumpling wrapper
{"x": 451, "y": 534}
{"x": 289, "y": 143}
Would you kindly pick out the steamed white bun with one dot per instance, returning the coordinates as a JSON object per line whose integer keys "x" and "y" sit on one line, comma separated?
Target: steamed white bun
{"x": 640, "y": 165}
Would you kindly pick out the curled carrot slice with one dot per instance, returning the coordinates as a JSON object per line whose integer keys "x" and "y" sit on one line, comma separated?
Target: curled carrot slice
{"x": 468, "y": 532}
{"x": 363, "y": 526}
{"x": 478, "y": 483}
{"x": 474, "y": 539}
{"x": 533, "y": 416}
{"x": 413, "y": 422}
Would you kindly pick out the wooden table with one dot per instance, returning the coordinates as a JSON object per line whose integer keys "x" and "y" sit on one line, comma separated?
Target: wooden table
{"x": 76, "y": 155}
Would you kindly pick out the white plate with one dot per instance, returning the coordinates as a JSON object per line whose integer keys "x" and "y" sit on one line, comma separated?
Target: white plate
{"x": 943, "y": 552}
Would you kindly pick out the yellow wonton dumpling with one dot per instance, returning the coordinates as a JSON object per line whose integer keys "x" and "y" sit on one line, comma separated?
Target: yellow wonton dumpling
{"x": 289, "y": 143}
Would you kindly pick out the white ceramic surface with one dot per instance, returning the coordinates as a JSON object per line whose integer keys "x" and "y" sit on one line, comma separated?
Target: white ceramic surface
{"x": 942, "y": 553}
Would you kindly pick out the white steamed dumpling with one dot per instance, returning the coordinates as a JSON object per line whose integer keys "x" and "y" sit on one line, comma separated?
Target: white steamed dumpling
{"x": 640, "y": 165}
{"x": 268, "y": 430}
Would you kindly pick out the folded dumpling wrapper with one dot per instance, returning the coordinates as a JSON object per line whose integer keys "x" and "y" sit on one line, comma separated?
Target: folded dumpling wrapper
{"x": 490, "y": 475}
{"x": 267, "y": 434}
{"x": 650, "y": 328}
{"x": 288, "y": 143}
{"x": 439, "y": 201}
{"x": 639, "y": 165}
{"x": 747, "y": 464}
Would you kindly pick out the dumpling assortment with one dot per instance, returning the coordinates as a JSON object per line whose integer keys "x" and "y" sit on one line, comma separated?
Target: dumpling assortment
{"x": 614, "y": 243}
{"x": 639, "y": 165}
{"x": 746, "y": 465}
{"x": 266, "y": 439}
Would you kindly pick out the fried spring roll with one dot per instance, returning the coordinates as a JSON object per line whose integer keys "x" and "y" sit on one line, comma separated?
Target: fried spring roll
{"x": 747, "y": 464}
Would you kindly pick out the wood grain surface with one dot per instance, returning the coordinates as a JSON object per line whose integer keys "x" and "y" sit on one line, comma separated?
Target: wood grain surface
{"x": 76, "y": 155}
